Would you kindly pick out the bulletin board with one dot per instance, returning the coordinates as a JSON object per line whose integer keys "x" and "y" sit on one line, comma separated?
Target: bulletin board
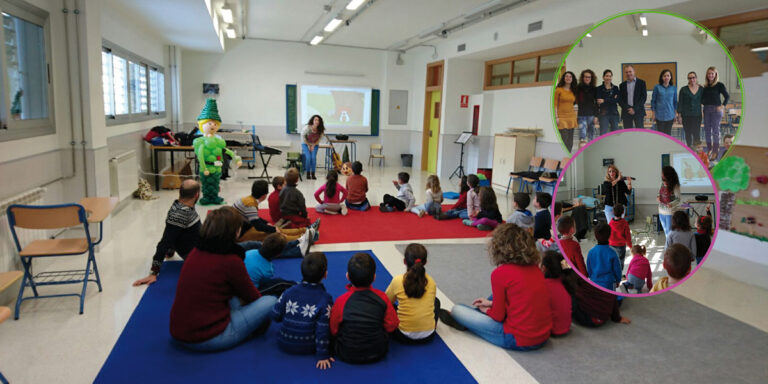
{"x": 650, "y": 72}
{"x": 742, "y": 178}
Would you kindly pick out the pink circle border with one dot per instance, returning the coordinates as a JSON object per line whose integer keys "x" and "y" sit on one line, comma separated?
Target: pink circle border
{"x": 717, "y": 210}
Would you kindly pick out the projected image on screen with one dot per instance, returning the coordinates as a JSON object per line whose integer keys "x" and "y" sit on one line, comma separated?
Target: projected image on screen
{"x": 689, "y": 170}
{"x": 344, "y": 110}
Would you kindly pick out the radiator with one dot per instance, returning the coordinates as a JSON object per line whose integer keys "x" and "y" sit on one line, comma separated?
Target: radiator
{"x": 9, "y": 259}
{"x": 123, "y": 175}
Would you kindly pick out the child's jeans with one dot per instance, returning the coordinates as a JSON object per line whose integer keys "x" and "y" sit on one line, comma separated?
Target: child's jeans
{"x": 621, "y": 251}
{"x": 455, "y": 213}
{"x": 431, "y": 208}
{"x": 394, "y": 202}
{"x": 243, "y": 321}
{"x": 487, "y": 328}
{"x": 364, "y": 206}
{"x": 635, "y": 282}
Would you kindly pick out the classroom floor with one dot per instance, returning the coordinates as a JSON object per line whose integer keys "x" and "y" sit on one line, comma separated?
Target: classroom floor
{"x": 52, "y": 343}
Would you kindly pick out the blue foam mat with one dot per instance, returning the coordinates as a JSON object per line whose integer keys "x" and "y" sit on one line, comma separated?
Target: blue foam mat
{"x": 145, "y": 352}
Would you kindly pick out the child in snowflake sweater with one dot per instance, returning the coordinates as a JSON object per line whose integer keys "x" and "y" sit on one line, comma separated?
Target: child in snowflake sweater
{"x": 305, "y": 310}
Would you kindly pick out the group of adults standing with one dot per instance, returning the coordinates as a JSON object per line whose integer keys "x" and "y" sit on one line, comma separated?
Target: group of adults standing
{"x": 599, "y": 105}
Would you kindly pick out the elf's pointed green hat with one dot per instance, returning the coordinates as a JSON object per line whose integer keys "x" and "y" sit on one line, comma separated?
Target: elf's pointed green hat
{"x": 210, "y": 111}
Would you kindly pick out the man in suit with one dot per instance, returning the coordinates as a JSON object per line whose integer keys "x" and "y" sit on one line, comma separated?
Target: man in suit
{"x": 632, "y": 95}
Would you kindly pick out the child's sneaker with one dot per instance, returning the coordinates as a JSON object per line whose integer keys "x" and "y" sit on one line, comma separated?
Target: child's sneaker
{"x": 304, "y": 241}
{"x": 384, "y": 208}
{"x": 421, "y": 214}
{"x": 484, "y": 227}
{"x": 316, "y": 224}
{"x": 467, "y": 222}
{"x": 344, "y": 210}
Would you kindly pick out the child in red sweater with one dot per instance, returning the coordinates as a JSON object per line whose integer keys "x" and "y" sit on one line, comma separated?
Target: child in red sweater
{"x": 639, "y": 272}
{"x": 461, "y": 205}
{"x": 517, "y": 316}
{"x": 566, "y": 227}
{"x": 621, "y": 237}
{"x": 278, "y": 182}
{"x": 561, "y": 284}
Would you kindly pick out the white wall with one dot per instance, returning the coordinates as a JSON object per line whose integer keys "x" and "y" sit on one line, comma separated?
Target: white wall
{"x": 252, "y": 76}
{"x": 608, "y": 52}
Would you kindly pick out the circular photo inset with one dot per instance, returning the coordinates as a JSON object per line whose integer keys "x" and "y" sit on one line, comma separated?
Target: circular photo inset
{"x": 638, "y": 212}
{"x": 649, "y": 70}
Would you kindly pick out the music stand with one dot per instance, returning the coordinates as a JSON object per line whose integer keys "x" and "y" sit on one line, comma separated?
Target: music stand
{"x": 463, "y": 139}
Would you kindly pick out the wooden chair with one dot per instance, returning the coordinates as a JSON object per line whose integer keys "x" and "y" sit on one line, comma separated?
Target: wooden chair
{"x": 551, "y": 181}
{"x": 550, "y": 165}
{"x": 534, "y": 166}
{"x": 6, "y": 280}
{"x": 45, "y": 218}
{"x": 380, "y": 155}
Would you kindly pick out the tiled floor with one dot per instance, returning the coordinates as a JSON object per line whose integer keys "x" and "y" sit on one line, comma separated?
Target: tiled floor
{"x": 52, "y": 343}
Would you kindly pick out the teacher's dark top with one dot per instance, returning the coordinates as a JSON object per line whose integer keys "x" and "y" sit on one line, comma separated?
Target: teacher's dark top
{"x": 585, "y": 98}
{"x": 711, "y": 95}
{"x": 621, "y": 190}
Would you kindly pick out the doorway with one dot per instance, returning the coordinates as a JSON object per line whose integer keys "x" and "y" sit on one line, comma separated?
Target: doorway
{"x": 432, "y": 113}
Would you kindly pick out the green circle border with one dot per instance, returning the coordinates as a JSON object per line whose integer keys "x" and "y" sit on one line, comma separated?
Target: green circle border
{"x": 633, "y": 12}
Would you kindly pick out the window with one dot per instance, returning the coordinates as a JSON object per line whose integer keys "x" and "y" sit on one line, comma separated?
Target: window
{"x": 529, "y": 70}
{"x": 157, "y": 90}
{"x": 134, "y": 88}
{"x": 25, "y": 84}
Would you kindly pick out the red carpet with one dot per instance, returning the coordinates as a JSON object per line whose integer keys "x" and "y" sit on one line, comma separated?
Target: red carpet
{"x": 373, "y": 225}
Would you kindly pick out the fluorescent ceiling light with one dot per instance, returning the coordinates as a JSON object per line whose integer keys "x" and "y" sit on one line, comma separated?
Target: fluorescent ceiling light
{"x": 230, "y": 32}
{"x": 645, "y": 31}
{"x": 643, "y": 20}
{"x": 226, "y": 14}
{"x": 431, "y": 30}
{"x": 589, "y": 35}
{"x": 332, "y": 25}
{"x": 354, "y": 4}
{"x": 760, "y": 49}
{"x": 480, "y": 9}
{"x": 316, "y": 40}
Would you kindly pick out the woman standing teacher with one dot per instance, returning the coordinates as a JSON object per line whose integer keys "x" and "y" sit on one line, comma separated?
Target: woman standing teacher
{"x": 566, "y": 114}
{"x": 664, "y": 102}
{"x": 310, "y": 143}
{"x": 689, "y": 109}
{"x": 607, "y": 99}
{"x": 615, "y": 190}
{"x": 713, "y": 108}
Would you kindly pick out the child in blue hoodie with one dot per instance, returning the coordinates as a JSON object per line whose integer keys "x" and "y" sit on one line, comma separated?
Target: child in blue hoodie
{"x": 521, "y": 217}
{"x": 603, "y": 264}
{"x": 305, "y": 311}
{"x": 258, "y": 263}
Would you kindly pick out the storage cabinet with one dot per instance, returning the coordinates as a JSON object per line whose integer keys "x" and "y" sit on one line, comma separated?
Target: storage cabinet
{"x": 511, "y": 153}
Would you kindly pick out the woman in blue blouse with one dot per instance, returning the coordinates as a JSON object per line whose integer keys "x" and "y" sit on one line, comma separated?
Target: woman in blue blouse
{"x": 664, "y": 102}
{"x": 607, "y": 98}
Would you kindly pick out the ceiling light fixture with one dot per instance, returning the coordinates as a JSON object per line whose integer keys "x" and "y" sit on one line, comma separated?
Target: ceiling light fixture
{"x": 332, "y": 25}
{"x": 643, "y": 20}
{"x": 226, "y": 14}
{"x": 316, "y": 40}
{"x": 645, "y": 31}
{"x": 481, "y": 9}
{"x": 354, "y": 4}
{"x": 760, "y": 49}
{"x": 433, "y": 30}
{"x": 589, "y": 35}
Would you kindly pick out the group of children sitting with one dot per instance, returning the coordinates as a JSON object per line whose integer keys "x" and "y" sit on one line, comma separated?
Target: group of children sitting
{"x": 605, "y": 261}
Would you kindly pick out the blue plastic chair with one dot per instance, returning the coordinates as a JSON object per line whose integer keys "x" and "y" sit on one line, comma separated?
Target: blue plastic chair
{"x": 46, "y": 218}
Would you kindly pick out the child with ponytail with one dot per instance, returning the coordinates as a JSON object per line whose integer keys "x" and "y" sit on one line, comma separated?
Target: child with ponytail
{"x": 334, "y": 195}
{"x": 561, "y": 284}
{"x": 413, "y": 294}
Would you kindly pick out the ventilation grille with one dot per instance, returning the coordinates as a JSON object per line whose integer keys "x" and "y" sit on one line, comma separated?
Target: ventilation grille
{"x": 461, "y": 48}
{"x": 535, "y": 26}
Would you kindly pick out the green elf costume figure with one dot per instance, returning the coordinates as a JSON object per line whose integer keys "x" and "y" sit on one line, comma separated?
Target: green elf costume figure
{"x": 210, "y": 149}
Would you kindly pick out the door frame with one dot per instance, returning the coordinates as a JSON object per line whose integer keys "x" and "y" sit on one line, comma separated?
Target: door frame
{"x": 434, "y": 82}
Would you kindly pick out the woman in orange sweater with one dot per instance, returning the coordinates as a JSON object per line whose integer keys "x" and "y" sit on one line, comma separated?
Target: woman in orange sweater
{"x": 566, "y": 114}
